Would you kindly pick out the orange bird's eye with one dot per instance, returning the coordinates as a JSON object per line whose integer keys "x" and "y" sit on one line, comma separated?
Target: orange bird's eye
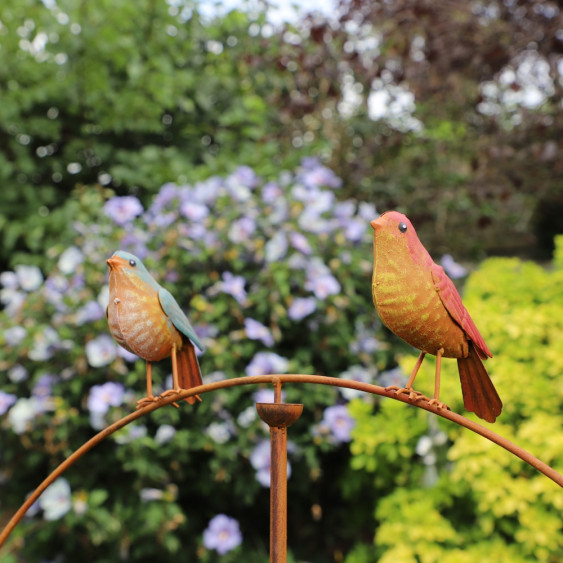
{"x": 402, "y": 227}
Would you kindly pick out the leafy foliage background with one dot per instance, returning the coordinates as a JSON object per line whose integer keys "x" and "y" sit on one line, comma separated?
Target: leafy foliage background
{"x": 158, "y": 100}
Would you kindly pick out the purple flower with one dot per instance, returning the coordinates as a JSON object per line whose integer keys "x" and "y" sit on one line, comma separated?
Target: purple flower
{"x": 122, "y": 210}
{"x": 42, "y": 387}
{"x": 320, "y": 176}
{"x": 245, "y": 176}
{"x": 356, "y": 373}
{"x": 301, "y": 307}
{"x": 9, "y": 280}
{"x": 166, "y": 195}
{"x": 89, "y": 313}
{"x": 242, "y": 229}
{"x": 354, "y": 229}
{"x": 265, "y": 363}
{"x": 44, "y": 345}
{"x": 14, "y": 335}
{"x": 323, "y": 286}
{"x": 271, "y": 193}
{"x": 452, "y": 268}
{"x": 233, "y": 285}
{"x": 338, "y": 422}
{"x": 164, "y": 433}
{"x": 261, "y": 459}
{"x": 300, "y": 242}
{"x": 126, "y": 355}
{"x": 101, "y": 351}
{"x": 276, "y": 247}
{"x": 367, "y": 211}
{"x": 257, "y": 331}
{"x": 6, "y": 401}
{"x": 23, "y": 412}
{"x": 266, "y": 396}
{"x": 104, "y": 396}
{"x": 194, "y": 211}
{"x": 134, "y": 242}
{"x": 222, "y": 534}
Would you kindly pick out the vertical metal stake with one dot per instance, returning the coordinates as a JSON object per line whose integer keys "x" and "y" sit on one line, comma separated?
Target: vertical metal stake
{"x": 278, "y": 416}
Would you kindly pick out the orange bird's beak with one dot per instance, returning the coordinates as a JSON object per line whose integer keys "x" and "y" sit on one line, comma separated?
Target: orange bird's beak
{"x": 375, "y": 224}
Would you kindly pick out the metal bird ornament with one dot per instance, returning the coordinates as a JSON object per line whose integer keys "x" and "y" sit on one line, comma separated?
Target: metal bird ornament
{"x": 145, "y": 319}
{"x": 419, "y": 303}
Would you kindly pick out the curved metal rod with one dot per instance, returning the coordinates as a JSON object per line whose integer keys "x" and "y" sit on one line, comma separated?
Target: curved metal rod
{"x": 277, "y": 379}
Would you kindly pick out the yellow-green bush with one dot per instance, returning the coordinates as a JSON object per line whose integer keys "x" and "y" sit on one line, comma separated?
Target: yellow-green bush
{"x": 472, "y": 500}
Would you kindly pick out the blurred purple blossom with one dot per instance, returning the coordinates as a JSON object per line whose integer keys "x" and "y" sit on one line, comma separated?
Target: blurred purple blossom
{"x": 149, "y": 494}
{"x": 207, "y": 191}
{"x": 101, "y": 351}
{"x": 194, "y": 211}
{"x": 131, "y": 433}
{"x": 354, "y": 229}
{"x": 452, "y": 268}
{"x": 6, "y": 401}
{"x": 233, "y": 285}
{"x": 265, "y": 363}
{"x": 56, "y": 500}
{"x": 70, "y": 259}
{"x": 242, "y": 230}
{"x": 14, "y": 335}
{"x": 356, "y": 373}
{"x": 222, "y": 534}
{"x": 276, "y": 247}
{"x": 135, "y": 243}
{"x": 257, "y": 331}
{"x": 311, "y": 221}
{"x": 42, "y": 387}
{"x": 319, "y": 175}
{"x": 260, "y": 459}
{"x": 271, "y": 193}
{"x": 367, "y": 211}
{"x": 30, "y": 278}
{"x": 266, "y": 396}
{"x": 126, "y": 355}
{"x": 9, "y": 280}
{"x": 301, "y": 307}
{"x": 245, "y": 176}
{"x": 90, "y": 312}
{"x": 102, "y": 397}
{"x": 123, "y": 209}
{"x": 394, "y": 376}
{"x": 12, "y": 299}
{"x": 166, "y": 195}
{"x": 44, "y": 345}
{"x": 339, "y": 422}
{"x": 323, "y": 286}
{"x": 300, "y": 242}
{"x": 55, "y": 288}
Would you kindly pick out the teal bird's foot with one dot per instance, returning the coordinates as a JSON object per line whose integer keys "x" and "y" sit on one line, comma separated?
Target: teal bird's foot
{"x": 146, "y": 401}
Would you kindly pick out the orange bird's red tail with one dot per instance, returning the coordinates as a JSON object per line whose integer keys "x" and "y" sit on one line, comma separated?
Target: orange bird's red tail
{"x": 189, "y": 374}
{"x": 479, "y": 393}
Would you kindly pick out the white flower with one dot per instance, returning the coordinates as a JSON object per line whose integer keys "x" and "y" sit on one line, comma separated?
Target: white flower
{"x": 70, "y": 259}
{"x": 55, "y": 501}
{"x": 29, "y": 277}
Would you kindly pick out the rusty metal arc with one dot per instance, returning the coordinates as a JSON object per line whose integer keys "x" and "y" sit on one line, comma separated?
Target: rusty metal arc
{"x": 277, "y": 380}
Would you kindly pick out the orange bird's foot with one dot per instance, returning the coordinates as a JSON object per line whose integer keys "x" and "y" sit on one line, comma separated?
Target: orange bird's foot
{"x": 146, "y": 401}
{"x": 438, "y": 404}
{"x": 190, "y": 400}
{"x": 413, "y": 395}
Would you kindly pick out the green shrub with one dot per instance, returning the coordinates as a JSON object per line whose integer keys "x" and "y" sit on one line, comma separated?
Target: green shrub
{"x": 450, "y": 495}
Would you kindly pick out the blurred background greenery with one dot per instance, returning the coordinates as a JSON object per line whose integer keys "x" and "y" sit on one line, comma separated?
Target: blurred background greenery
{"x": 448, "y": 111}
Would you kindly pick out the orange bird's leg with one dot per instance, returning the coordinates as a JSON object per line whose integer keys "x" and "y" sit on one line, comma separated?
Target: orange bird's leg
{"x": 436, "y": 400}
{"x": 150, "y": 398}
{"x": 408, "y": 387}
{"x": 175, "y": 384}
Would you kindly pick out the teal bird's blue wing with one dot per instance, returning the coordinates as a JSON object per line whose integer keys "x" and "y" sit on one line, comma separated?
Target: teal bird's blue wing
{"x": 177, "y": 316}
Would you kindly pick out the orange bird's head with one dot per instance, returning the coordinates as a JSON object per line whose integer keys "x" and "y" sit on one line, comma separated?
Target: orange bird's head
{"x": 395, "y": 236}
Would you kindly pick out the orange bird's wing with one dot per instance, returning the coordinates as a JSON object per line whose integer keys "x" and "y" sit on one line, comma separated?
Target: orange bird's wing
{"x": 453, "y": 304}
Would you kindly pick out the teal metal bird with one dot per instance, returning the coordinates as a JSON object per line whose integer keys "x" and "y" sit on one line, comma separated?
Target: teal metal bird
{"x": 145, "y": 319}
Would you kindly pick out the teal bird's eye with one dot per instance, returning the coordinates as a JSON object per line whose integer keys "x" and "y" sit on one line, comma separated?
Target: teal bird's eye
{"x": 132, "y": 263}
{"x": 402, "y": 227}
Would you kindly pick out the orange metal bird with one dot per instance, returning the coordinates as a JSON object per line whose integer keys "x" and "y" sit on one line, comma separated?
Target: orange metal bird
{"x": 145, "y": 319}
{"x": 419, "y": 303}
